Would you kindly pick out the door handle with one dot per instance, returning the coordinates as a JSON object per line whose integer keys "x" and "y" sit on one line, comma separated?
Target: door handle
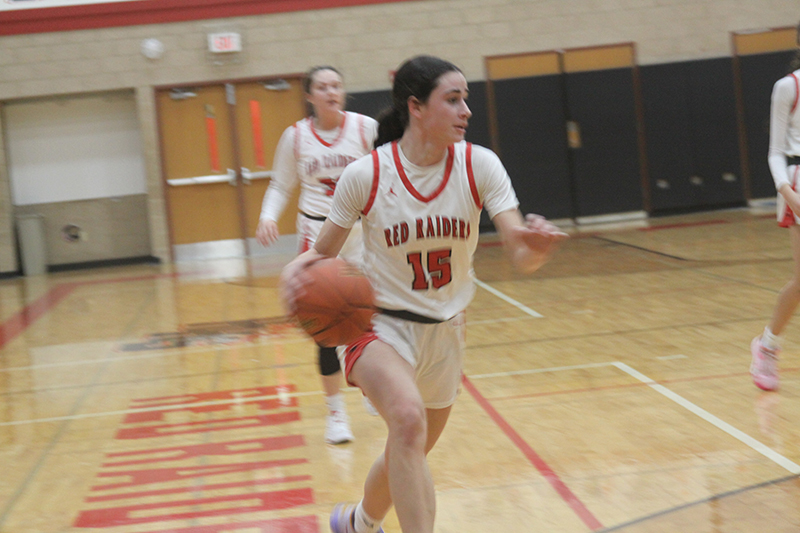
{"x": 247, "y": 176}
{"x": 573, "y": 134}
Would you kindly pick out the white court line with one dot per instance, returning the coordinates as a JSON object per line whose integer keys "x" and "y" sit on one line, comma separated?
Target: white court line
{"x": 538, "y": 370}
{"x": 763, "y": 449}
{"x": 521, "y": 307}
{"x": 741, "y": 436}
{"x": 248, "y": 399}
{"x": 165, "y": 352}
{"x": 496, "y": 320}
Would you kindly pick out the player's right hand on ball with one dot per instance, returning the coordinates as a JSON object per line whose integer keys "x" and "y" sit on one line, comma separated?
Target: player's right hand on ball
{"x": 291, "y": 283}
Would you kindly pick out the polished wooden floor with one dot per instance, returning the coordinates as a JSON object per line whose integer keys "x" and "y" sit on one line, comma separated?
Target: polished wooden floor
{"x": 608, "y": 392}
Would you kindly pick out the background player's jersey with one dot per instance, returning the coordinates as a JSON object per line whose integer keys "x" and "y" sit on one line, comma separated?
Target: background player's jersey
{"x": 316, "y": 160}
{"x": 421, "y": 224}
{"x": 784, "y": 128}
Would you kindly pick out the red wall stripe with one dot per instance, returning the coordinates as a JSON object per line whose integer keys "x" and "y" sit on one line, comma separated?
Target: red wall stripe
{"x": 91, "y": 16}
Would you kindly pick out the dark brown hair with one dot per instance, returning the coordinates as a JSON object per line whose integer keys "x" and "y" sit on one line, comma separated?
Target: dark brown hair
{"x": 416, "y": 77}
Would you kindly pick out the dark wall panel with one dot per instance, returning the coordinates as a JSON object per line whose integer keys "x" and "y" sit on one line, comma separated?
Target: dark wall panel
{"x": 533, "y": 145}
{"x": 759, "y": 73}
{"x": 606, "y": 166}
{"x": 666, "y": 121}
{"x": 369, "y": 103}
{"x": 714, "y": 132}
{"x": 691, "y": 134}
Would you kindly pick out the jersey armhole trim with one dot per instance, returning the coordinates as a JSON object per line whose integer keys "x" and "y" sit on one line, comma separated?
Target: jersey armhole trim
{"x": 473, "y": 187}
{"x": 376, "y": 173}
{"x": 361, "y": 132}
{"x": 796, "y": 92}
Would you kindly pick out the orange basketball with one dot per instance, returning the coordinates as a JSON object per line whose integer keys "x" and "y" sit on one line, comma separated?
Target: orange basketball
{"x": 337, "y": 304}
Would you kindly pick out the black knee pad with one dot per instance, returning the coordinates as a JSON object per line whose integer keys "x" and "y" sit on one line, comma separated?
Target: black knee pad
{"x": 328, "y": 361}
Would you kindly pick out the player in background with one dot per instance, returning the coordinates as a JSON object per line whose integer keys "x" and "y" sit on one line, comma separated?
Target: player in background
{"x": 784, "y": 164}
{"x": 313, "y": 152}
{"x": 419, "y": 196}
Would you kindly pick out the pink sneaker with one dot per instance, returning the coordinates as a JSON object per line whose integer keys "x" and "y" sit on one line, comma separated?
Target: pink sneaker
{"x": 342, "y": 519}
{"x": 764, "y": 366}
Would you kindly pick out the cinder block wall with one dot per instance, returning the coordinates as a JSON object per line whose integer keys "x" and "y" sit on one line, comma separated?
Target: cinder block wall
{"x": 366, "y": 42}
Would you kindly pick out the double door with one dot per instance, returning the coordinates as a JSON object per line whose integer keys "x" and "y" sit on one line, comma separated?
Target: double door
{"x": 565, "y": 123}
{"x": 218, "y": 143}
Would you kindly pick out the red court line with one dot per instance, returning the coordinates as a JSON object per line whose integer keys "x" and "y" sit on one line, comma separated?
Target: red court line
{"x": 14, "y": 326}
{"x": 561, "y": 488}
{"x": 25, "y": 318}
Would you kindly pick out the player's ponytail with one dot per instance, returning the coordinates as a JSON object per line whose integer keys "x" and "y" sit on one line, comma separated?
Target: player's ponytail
{"x": 390, "y": 126}
{"x": 416, "y": 77}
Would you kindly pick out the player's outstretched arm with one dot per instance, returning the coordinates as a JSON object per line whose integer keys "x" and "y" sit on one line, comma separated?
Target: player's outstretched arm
{"x": 329, "y": 242}
{"x": 529, "y": 241}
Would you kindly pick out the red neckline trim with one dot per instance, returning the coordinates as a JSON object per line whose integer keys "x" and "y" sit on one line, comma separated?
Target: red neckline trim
{"x": 338, "y": 137}
{"x": 414, "y": 192}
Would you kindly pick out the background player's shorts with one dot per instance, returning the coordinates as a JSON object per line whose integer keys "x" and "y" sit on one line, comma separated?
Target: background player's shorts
{"x": 435, "y": 351}
{"x": 786, "y": 217}
{"x": 308, "y": 230}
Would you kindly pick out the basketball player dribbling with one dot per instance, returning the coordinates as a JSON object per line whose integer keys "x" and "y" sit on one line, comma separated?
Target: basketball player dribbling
{"x": 313, "y": 152}
{"x": 784, "y": 164}
{"x": 419, "y": 196}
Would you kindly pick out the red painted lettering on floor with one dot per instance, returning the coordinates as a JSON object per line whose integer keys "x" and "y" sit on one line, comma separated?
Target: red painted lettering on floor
{"x": 168, "y": 430}
{"x": 233, "y": 447}
{"x": 133, "y": 514}
{"x": 300, "y": 524}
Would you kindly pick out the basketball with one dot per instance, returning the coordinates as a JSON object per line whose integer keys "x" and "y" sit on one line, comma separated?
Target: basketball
{"x": 337, "y": 303}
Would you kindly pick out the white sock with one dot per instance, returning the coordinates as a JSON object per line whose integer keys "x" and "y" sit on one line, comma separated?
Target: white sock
{"x": 770, "y": 340}
{"x": 335, "y": 403}
{"x": 364, "y": 523}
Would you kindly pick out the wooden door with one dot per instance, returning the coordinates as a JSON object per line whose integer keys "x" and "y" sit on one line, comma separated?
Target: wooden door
{"x": 264, "y": 110}
{"x": 218, "y": 145}
{"x": 197, "y": 153}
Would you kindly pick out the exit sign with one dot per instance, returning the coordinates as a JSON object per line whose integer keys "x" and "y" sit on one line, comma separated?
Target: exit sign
{"x": 224, "y": 42}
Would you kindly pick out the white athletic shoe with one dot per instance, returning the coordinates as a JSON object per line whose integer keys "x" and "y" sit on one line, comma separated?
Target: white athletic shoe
{"x": 337, "y": 428}
{"x": 764, "y": 366}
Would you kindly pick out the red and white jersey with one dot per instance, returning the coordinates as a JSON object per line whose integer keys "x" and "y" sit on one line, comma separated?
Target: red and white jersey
{"x": 421, "y": 224}
{"x": 315, "y": 159}
{"x": 784, "y": 126}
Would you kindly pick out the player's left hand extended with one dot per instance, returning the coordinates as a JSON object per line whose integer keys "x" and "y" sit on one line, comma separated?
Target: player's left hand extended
{"x": 536, "y": 241}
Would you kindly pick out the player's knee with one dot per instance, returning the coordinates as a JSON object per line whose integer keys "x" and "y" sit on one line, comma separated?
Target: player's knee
{"x": 407, "y": 421}
{"x": 328, "y": 361}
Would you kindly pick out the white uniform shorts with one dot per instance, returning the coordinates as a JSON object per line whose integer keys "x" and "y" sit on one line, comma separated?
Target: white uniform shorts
{"x": 435, "y": 351}
{"x": 353, "y": 250}
{"x": 786, "y": 217}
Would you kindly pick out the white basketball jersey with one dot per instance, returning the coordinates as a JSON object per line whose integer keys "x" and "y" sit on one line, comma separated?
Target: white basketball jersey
{"x": 321, "y": 162}
{"x": 420, "y": 224}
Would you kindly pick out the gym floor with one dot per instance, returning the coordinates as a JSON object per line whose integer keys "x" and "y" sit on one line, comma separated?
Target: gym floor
{"x": 607, "y": 392}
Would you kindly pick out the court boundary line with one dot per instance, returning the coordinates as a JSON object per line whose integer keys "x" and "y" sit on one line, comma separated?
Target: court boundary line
{"x": 535, "y": 459}
{"x": 715, "y": 421}
{"x": 738, "y": 434}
